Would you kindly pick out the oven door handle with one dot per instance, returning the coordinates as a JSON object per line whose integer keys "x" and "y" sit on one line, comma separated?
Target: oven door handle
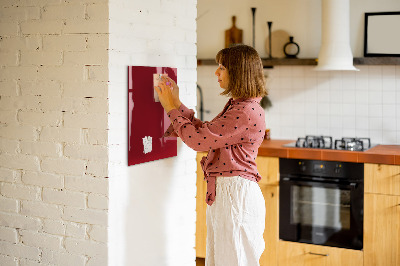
{"x": 319, "y": 182}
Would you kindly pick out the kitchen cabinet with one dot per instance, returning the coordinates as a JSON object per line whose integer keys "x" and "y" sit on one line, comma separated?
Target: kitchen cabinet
{"x": 269, "y": 170}
{"x": 201, "y": 205}
{"x": 271, "y": 232}
{"x": 382, "y": 179}
{"x": 382, "y": 215}
{"x": 300, "y": 254}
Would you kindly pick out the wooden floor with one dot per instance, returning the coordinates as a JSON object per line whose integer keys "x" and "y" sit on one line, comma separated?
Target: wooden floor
{"x": 200, "y": 262}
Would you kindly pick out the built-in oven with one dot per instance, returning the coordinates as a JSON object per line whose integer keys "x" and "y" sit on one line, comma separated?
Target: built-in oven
{"x": 321, "y": 202}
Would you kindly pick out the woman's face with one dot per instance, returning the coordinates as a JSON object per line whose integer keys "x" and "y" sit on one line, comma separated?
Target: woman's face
{"x": 223, "y": 76}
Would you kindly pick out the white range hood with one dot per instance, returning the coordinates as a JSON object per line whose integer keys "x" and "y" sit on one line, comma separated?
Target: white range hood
{"x": 335, "y": 52}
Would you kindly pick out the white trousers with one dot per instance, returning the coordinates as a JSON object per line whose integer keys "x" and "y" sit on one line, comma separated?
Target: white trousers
{"x": 235, "y": 223}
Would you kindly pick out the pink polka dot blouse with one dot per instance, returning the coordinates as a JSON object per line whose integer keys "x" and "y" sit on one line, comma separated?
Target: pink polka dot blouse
{"x": 232, "y": 139}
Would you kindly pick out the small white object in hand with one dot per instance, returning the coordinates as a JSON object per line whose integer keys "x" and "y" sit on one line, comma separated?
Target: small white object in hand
{"x": 147, "y": 144}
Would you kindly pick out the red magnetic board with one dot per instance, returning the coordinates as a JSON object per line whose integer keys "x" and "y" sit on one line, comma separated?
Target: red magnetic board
{"x": 147, "y": 120}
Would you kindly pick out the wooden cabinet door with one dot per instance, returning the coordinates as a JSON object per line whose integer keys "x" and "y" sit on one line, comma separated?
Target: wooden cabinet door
{"x": 382, "y": 179}
{"x": 201, "y": 205}
{"x": 381, "y": 230}
{"x": 299, "y": 254}
{"x": 268, "y": 168}
{"x": 271, "y": 232}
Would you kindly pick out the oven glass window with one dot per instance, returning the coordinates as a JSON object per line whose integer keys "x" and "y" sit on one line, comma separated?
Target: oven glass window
{"x": 321, "y": 207}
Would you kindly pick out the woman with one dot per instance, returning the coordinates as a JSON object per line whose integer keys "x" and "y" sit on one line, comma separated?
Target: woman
{"x": 236, "y": 212}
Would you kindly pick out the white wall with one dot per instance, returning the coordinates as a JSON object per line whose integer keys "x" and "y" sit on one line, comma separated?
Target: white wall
{"x": 301, "y": 19}
{"x": 337, "y": 103}
{"x": 152, "y": 205}
{"x": 53, "y": 133}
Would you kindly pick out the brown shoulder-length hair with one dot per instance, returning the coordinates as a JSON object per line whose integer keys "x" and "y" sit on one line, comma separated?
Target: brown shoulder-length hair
{"x": 245, "y": 69}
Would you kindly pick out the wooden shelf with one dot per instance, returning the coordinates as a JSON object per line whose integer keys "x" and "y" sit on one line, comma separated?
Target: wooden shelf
{"x": 377, "y": 61}
{"x": 269, "y": 63}
{"x": 289, "y": 62}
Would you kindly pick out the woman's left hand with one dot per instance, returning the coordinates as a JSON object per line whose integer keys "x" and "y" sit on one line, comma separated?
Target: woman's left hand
{"x": 165, "y": 96}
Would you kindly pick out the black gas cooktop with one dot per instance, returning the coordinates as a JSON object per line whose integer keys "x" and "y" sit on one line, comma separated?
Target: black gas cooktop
{"x": 326, "y": 142}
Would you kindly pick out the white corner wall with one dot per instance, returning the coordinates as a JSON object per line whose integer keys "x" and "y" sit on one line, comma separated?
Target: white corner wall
{"x": 152, "y": 205}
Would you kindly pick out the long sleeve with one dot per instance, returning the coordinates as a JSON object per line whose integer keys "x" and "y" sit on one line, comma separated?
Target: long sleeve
{"x": 232, "y": 127}
{"x": 185, "y": 112}
{"x": 232, "y": 139}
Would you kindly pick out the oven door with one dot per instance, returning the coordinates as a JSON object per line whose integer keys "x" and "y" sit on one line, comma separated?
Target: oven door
{"x": 321, "y": 212}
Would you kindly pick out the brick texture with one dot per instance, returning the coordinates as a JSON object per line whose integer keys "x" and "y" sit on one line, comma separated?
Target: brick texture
{"x": 53, "y": 119}
{"x": 63, "y": 79}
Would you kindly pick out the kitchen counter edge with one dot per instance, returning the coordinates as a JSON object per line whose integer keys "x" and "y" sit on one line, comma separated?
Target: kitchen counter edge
{"x": 379, "y": 154}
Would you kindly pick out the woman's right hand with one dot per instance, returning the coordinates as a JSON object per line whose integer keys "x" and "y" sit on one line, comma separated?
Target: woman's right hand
{"x": 175, "y": 91}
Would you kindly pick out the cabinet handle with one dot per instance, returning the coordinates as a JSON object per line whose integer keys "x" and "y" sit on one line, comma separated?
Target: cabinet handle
{"x": 319, "y": 254}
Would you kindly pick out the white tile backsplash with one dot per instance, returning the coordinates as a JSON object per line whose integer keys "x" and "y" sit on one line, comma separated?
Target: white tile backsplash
{"x": 389, "y": 111}
{"x": 336, "y": 122}
{"x": 375, "y": 83}
{"x": 389, "y": 83}
{"x": 362, "y": 110}
{"x": 362, "y": 123}
{"x": 375, "y": 110}
{"x": 348, "y": 109}
{"x": 336, "y": 96}
{"x": 389, "y": 97}
{"x": 349, "y": 96}
{"x": 323, "y": 94}
{"x": 336, "y": 109}
{"x": 363, "y": 103}
{"x": 388, "y": 124}
{"x": 375, "y": 97}
{"x": 362, "y": 96}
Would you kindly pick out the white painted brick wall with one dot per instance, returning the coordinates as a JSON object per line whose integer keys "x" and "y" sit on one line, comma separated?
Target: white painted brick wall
{"x": 98, "y": 233}
{"x": 62, "y": 258}
{"x": 43, "y": 179}
{"x": 8, "y": 234}
{"x": 76, "y": 230}
{"x": 8, "y": 205}
{"x": 54, "y": 227}
{"x": 55, "y": 150}
{"x": 41, "y": 240}
{"x": 152, "y": 205}
{"x": 53, "y": 132}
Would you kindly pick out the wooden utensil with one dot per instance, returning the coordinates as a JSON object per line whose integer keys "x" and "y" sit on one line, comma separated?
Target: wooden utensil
{"x": 233, "y": 35}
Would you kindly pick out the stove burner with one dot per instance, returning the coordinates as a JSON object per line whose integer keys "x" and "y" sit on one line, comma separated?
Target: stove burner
{"x": 324, "y": 142}
{"x": 353, "y": 144}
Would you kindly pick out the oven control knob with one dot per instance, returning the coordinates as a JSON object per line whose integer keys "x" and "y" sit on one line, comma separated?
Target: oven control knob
{"x": 338, "y": 168}
{"x": 302, "y": 166}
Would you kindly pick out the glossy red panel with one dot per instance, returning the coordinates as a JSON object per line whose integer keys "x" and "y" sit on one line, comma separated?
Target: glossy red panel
{"x": 147, "y": 120}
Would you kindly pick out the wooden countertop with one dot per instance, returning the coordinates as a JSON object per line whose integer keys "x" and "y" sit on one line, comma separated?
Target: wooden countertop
{"x": 380, "y": 154}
